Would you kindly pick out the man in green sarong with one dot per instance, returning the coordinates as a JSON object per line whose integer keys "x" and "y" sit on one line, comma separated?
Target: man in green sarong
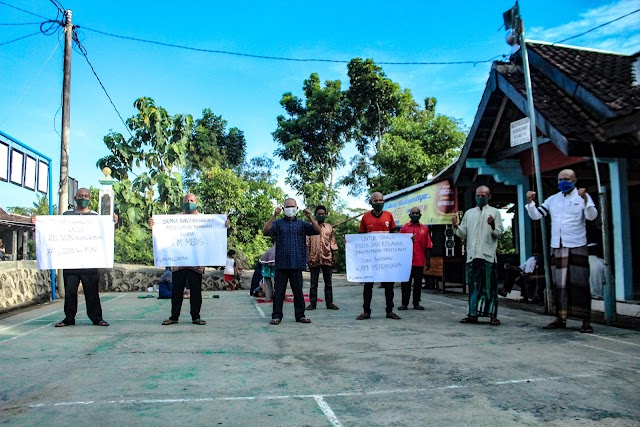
{"x": 481, "y": 227}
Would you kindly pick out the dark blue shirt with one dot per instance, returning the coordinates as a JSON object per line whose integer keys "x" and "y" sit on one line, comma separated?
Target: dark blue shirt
{"x": 291, "y": 242}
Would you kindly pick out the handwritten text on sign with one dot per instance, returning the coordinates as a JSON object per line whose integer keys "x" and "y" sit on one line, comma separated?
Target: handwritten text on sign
{"x": 379, "y": 257}
{"x": 189, "y": 240}
{"x": 74, "y": 241}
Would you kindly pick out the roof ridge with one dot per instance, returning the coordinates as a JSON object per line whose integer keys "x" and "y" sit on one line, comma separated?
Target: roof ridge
{"x": 586, "y": 49}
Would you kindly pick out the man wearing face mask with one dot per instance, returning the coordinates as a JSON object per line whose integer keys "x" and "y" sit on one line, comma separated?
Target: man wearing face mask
{"x": 321, "y": 250}
{"x": 180, "y": 276}
{"x": 481, "y": 227}
{"x": 291, "y": 256}
{"x": 569, "y": 209}
{"x": 377, "y": 221}
{"x": 89, "y": 277}
{"x": 421, "y": 258}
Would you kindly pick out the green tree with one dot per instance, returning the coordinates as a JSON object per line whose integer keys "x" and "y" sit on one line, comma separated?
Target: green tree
{"x": 212, "y": 144}
{"x": 505, "y": 243}
{"x": 422, "y": 142}
{"x": 40, "y": 207}
{"x": 374, "y": 100}
{"x": 158, "y": 146}
{"x": 312, "y": 136}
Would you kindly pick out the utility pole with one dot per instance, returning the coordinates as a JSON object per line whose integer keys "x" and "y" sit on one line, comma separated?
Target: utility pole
{"x": 63, "y": 191}
{"x": 514, "y": 20}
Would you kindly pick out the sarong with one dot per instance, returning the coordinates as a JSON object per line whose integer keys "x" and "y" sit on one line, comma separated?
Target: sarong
{"x": 483, "y": 288}
{"x": 571, "y": 295}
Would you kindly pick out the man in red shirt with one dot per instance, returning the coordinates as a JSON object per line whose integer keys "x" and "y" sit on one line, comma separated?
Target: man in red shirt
{"x": 377, "y": 221}
{"x": 421, "y": 258}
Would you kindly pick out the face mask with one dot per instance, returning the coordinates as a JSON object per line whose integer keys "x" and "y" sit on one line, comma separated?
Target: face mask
{"x": 321, "y": 218}
{"x": 415, "y": 218}
{"x": 566, "y": 186}
{"x": 83, "y": 203}
{"x": 189, "y": 207}
{"x": 377, "y": 206}
{"x": 290, "y": 212}
{"x": 482, "y": 200}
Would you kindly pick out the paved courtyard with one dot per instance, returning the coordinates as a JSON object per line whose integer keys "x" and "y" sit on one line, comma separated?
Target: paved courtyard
{"x": 424, "y": 370}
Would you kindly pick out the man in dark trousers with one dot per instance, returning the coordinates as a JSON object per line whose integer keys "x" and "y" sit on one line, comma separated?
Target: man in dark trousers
{"x": 291, "y": 256}
{"x": 321, "y": 251}
{"x": 421, "y": 258}
{"x": 377, "y": 221}
{"x": 89, "y": 277}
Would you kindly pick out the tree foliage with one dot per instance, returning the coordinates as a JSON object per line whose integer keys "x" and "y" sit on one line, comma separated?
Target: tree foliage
{"x": 158, "y": 146}
{"x": 312, "y": 137}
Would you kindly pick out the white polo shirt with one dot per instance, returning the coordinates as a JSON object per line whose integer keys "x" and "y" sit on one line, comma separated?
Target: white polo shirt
{"x": 568, "y": 214}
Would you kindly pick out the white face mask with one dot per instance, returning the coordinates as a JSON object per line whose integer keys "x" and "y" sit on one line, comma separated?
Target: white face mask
{"x": 290, "y": 212}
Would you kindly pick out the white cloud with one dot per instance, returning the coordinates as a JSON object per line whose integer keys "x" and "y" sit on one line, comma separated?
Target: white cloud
{"x": 621, "y": 36}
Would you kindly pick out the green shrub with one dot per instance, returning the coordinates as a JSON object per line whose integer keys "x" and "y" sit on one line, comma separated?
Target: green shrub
{"x": 133, "y": 245}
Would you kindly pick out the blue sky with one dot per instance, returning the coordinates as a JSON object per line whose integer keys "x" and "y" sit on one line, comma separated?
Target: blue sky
{"x": 246, "y": 91}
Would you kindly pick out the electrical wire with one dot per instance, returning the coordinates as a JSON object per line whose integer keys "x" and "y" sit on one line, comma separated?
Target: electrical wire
{"x": 22, "y": 10}
{"x": 279, "y": 58}
{"x": 82, "y": 50}
{"x": 19, "y": 38}
{"x": 28, "y": 87}
{"x": 596, "y": 27}
{"x": 22, "y": 23}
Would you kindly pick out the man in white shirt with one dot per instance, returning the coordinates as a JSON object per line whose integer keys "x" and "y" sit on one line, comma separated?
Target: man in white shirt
{"x": 518, "y": 274}
{"x": 481, "y": 227}
{"x": 570, "y": 208}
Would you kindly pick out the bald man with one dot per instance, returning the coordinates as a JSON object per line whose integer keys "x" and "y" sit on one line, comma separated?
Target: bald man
{"x": 481, "y": 227}
{"x": 180, "y": 276}
{"x": 569, "y": 209}
{"x": 377, "y": 221}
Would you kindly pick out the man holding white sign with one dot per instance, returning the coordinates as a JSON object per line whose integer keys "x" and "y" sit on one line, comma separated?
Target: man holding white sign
{"x": 179, "y": 242}
{"x": 76, "y": 244}
{"x": 377, "y": 221}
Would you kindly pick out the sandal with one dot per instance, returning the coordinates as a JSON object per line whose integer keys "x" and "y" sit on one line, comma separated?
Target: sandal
{"x": 364, "y": 316}
{"x": 556, "y": 324}
{"x": 63, "y": 324}
{"x": 394, "y": 316}
{"x": 586, "y": 329}
{"x": 494, "y": 321}
{"x": 275, "y": 321}
{"x": 469, "y": 319}
{"x": 169, "y": 322}
{"x": 303, "y": 320}
{"x": 101, "y": 323}
{"x": 199, "y": 321}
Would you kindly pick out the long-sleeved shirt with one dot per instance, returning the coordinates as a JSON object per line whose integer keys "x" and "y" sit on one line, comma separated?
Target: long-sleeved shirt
{"x": 291, "y": 244}
{"x": 482, "y": 240}
{"x": 568, "y": 214}
{"x": 320, "y": 247}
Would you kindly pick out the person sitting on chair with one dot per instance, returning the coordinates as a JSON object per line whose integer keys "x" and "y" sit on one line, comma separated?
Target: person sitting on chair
{"x": 518, "y": 274}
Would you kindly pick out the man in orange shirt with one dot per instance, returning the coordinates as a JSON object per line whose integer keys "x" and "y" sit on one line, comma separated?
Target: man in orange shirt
{"x": 377, "y": 221}
{"x": 421, "y": 258}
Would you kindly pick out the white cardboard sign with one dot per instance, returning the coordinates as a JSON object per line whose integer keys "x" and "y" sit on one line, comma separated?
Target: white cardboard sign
{"x": 189, "y": 240}
{"x": 74, "y": 241}
{"x": 379, "y": 257}
{"x": 520, "y": 132}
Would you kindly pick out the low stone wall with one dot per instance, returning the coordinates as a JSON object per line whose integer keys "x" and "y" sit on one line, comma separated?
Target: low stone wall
{"x": 21, "y": 283}
{"x": 136, "y": 278}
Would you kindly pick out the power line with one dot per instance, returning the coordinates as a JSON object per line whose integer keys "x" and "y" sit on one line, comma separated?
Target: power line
{"x": 83, "y": 51}
{"x": 22, "y": 10}
{"x": 277, "y": 58}
{"x": 23, "y": 23}
{"x": 596, "y": 27}
{"x": 20, "y": 38}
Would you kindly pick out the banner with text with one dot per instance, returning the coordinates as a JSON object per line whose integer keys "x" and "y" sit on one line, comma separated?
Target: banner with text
{"x": 437, "y": 202}
{"x": 379, "y": 257}
{"x": 189, "y": 240}
{"x": 74, "y": 241}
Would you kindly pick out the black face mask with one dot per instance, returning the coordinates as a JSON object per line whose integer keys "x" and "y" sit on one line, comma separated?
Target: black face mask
{"x": 377, "y": 206}
{"x": 321, "y": 218}
{"x": 415, "y": 218}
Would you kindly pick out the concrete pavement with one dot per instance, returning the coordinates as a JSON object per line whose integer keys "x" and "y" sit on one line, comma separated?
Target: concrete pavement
{"x": 426, "y": 369}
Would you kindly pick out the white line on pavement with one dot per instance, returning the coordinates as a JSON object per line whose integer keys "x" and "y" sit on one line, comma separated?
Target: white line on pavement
{"x": 304, "y": 396}
{"x": 258, "y": 308}
{"x": 613, "y": 339}
{"x": 324, "y": 406}
{"x": 608, "y": 351}
{"x": 50, "y": 323}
